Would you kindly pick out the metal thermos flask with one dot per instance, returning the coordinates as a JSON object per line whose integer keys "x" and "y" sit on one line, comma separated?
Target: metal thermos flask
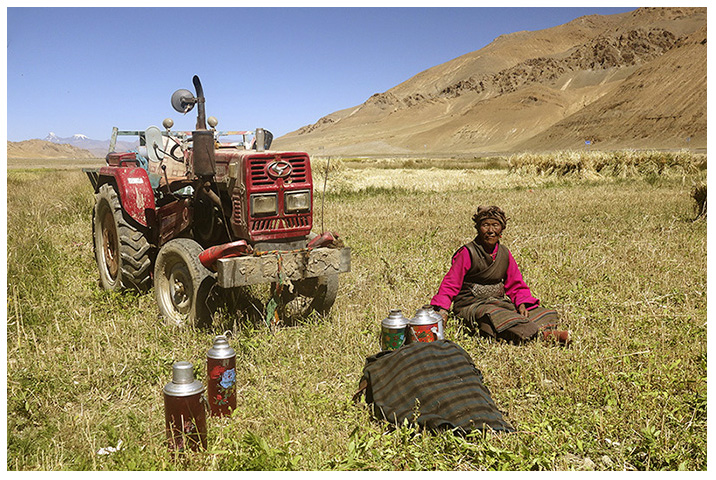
{"x": 424, "y": 327}
{"x": 185, "y": 409}
{"x": 438, "y": 318}
{"x": 221, "y": 377}
{"x": 393, "y": 329}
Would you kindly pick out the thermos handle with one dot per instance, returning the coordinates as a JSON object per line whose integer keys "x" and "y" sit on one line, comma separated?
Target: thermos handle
{"x": 413, "y": 336}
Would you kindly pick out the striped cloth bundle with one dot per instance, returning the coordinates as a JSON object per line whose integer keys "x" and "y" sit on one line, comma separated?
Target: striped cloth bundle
{"x": 437, "y": 382}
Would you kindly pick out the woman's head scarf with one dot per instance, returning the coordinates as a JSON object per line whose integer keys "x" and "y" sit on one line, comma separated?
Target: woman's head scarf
{"x": 492, "y": 212}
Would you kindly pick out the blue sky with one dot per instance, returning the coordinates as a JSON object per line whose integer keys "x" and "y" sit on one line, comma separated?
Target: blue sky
{"x": 85, "y": 70}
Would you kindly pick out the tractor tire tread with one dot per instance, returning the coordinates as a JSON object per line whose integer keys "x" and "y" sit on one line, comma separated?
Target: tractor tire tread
{"x": 134, "y": 247}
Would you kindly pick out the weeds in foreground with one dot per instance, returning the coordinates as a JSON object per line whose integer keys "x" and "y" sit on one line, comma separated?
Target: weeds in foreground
{"x": 622, "y": 261}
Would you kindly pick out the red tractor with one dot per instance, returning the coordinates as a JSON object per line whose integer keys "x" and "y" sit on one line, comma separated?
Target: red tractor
{"x": 200, "y": 219}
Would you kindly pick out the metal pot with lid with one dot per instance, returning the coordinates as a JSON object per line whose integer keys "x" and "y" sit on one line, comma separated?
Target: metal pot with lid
{"x": 425, "y": 327}
{"x": 393, "y": 329}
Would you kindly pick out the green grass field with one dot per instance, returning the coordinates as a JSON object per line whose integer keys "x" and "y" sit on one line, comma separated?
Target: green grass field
{"x": 619, "y": 255}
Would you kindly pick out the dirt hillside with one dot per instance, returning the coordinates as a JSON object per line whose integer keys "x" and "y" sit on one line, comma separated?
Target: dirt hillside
{"x": 632, "y": 80}
{"x": 42, "y": 149}
{"x": 663, "y": 103}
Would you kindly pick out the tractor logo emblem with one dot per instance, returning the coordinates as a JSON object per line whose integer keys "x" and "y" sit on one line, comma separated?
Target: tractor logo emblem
{"x": 279, "y": 169}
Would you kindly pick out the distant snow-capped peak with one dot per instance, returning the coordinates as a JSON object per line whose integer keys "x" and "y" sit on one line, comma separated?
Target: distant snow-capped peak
{"x": 77, "y": 137}
{"x": 98, "y": 147}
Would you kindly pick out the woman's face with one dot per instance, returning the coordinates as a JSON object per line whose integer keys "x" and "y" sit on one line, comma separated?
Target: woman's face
{"x": 489, "y": 232}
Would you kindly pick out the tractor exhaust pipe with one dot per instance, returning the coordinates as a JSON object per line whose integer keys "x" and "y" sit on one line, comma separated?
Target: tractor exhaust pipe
{"x": 203, "y": 139}
{"x": 201, "y": 113}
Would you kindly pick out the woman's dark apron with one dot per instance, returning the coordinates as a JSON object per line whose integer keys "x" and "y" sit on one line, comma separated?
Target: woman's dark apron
{"x": 482, "y": 302}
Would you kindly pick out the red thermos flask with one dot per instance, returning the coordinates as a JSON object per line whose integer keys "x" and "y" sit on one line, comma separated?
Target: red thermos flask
{"x": 185, "y": 409}
{"x": 221, "y": 377}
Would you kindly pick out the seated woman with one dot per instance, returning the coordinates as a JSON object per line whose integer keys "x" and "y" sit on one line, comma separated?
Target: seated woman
{"x": 485, "y": 288}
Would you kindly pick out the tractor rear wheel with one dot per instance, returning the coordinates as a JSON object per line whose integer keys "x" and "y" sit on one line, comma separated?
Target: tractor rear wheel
{"x": 182, "y": 285}
{"x": 121, "y": 247}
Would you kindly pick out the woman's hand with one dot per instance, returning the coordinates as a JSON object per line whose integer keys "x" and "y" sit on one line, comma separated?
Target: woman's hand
{"x": 522, "y": 308}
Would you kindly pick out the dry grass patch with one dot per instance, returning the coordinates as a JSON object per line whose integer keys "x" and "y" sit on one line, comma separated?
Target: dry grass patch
{"x": 586, "y": 163}
{"x": 622, "y": 260}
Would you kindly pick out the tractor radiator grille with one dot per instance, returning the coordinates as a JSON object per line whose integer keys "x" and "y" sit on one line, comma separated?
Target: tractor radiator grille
{"x": 279, "y": 223}
{"x": 257, "y": 169}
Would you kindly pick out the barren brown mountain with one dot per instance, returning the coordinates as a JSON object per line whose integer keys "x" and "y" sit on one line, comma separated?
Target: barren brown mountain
{"x": 632, "y": 80}
{"x": 41, "y": 149}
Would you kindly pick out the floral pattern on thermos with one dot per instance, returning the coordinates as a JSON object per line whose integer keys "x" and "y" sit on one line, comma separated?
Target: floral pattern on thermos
{"x": 221, "y": 377}
{"x": 222, "y": 387}
{"x": 226, "y": 379}
{"x": 424, "y": 333}
{"x": 392, "y": 339}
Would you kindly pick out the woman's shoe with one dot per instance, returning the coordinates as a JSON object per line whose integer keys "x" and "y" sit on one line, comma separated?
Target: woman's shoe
{"x": 559, "y": 336}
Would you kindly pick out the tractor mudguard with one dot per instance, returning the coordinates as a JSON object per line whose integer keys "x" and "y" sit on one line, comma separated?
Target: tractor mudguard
{"x": 134, "y": 189}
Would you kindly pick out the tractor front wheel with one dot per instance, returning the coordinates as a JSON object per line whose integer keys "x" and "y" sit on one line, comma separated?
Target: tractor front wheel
{"x": 308, "y": 296}
{"x": 121, "y": 247}
{"x": 182, "y": 284}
